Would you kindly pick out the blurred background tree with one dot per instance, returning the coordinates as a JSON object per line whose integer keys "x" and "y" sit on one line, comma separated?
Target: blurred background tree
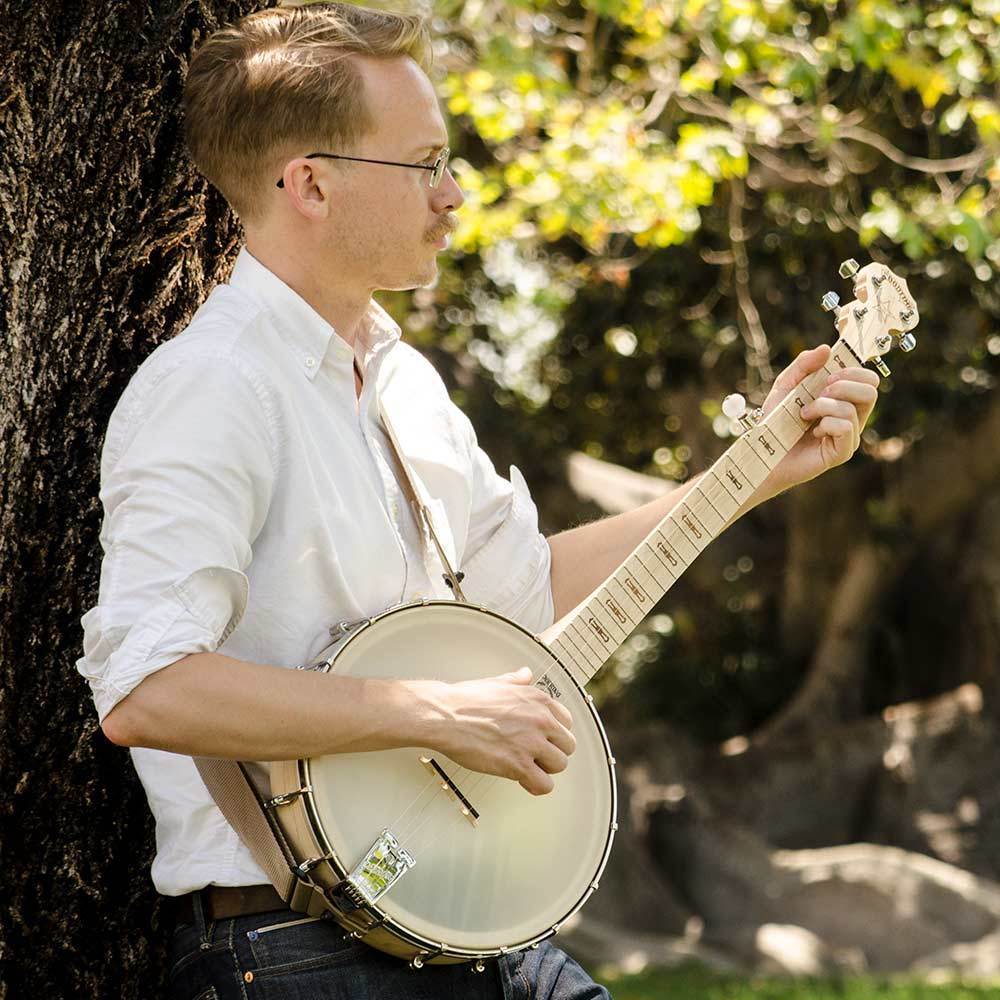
{"x": 658, "y": 194}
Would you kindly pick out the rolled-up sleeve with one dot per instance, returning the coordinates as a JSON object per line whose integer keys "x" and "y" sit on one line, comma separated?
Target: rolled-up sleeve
{"x": 507, "y": 561}
{"x": 186, "y": 479}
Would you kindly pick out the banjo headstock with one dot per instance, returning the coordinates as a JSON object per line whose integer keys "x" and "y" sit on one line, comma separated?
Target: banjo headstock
{"x": 881, "y": 310}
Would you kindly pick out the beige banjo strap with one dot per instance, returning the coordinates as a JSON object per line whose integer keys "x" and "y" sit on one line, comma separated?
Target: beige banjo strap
{"x": 420, "y": 509}
{"x": 235, "y": 794}
{"x": 234, "y": 791}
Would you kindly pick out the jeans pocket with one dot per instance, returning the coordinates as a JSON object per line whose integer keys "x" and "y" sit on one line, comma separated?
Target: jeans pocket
{"x": 186, "y": 948}
{"x": 284, "y": 941}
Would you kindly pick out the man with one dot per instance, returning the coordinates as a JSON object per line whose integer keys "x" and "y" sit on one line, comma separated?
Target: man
{"x": 252, "y": 499}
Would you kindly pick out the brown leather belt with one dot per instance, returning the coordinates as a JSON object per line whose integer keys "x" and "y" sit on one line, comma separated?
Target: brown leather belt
{"x": 221, "y": 901}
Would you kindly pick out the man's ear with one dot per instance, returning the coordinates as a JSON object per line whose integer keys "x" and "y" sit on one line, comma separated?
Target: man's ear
{"x": 308, "y": 190}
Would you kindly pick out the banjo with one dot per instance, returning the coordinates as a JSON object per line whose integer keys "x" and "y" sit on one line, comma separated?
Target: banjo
{"x": 435, "y": 863}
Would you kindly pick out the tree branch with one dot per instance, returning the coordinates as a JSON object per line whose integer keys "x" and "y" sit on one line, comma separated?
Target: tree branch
{"x": 970, "y": 161}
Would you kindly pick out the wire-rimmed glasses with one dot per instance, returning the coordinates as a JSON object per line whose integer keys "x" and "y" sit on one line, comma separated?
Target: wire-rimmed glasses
{"x": 437, "y": 168}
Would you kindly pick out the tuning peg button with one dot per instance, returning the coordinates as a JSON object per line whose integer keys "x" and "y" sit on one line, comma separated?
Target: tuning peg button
{"x": 881, "y": 367}
{"x": 907, "y": 342}
{"x": 830, "y": 301}
{"x": 849, "y": 268}
{"x": 734, "y": 406}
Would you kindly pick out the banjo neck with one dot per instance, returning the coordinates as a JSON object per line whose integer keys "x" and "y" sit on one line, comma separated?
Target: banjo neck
{"x": 587, "y": 636}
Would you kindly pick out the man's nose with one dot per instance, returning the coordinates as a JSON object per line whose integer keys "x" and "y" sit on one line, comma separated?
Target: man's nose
{"x": 448, "y": 195}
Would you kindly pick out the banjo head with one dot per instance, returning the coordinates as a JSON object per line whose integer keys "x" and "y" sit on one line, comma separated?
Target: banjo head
{"x": 495, "y": 868}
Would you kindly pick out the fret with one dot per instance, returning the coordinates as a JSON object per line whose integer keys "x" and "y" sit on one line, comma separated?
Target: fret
{"x": 683, "y": 544}
{"x": 732, "y": 479}
{"x": 786, "y": 426}
{"x": 619, "y": 611}
{"x": 566, "y": 656}
{"x": 842, "y": 356}
{"x": 667, "y": 547}
{"x": 748, "y": 462}
{"x": 722, "y": 501}
{"x": 658, "y": 564}
{"x": 696, "y": 527}
{"x": 764, "y": 450}
{"x": 582, "y": 659}
{"x": 636, "y": 603}
{"x": 792, "y": 405}
{"x": 804, "y": 392}
{"x": 607, "y": 622}
{"x": 595, "y": 656}
{"x": 596, "y": 650}
{"x": 645, "y": 580}
{"x": 769, "y": 449}
{"x": 706, "y": 511}
{"x": 569, "y": 658}
{"x": 599, "y": 635}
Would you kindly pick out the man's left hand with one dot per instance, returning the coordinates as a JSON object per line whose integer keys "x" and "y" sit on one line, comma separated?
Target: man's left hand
{"x": 840, "y": 413}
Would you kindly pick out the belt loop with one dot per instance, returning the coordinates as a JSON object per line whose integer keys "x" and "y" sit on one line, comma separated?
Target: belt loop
{"x": 204, "y": 926}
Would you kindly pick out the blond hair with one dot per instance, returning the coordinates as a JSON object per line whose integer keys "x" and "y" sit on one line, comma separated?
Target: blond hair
{"x": 262, "y": 89}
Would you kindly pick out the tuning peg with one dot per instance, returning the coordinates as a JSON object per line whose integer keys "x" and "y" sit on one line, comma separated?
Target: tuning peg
{"x": 830, "y": 301}
{"x": 849, "y": 268}
{"x": 734, "y": 407}
{"x": 881, "y": 367}
{"x": 907, "y": 342}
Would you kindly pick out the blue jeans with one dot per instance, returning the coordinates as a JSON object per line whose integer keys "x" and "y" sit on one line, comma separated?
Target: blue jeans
{"x": 254, "y": 958}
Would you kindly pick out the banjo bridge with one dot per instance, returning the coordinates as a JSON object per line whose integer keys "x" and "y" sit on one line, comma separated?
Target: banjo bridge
{"x": 449, "y": 786}
{"x": 378, "y": 871}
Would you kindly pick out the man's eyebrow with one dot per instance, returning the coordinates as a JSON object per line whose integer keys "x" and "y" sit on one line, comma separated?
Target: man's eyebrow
{"x": 432, "y": 147}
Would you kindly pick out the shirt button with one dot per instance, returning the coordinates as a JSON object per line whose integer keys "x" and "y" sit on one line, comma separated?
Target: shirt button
{"x": 310, "y": 362}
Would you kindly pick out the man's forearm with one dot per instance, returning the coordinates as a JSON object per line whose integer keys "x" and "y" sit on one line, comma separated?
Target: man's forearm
{"x": 212, "y": 705}
{"x": 584, "y": 557}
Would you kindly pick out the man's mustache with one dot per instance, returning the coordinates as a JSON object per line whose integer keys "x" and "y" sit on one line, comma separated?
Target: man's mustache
{"x": 444, "y": 228}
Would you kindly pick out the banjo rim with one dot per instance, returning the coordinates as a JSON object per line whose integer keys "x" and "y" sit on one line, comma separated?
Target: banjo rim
{"x": 427, "y": 949}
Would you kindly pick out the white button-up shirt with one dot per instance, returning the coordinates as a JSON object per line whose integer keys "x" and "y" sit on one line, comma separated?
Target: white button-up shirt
{"x": 250, "y": 503}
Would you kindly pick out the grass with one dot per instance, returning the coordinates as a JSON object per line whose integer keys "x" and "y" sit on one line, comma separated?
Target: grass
{"x": 692, "y": 982}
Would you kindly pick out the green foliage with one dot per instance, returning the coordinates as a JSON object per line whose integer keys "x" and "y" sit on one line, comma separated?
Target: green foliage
{"x": 656, "y": 187}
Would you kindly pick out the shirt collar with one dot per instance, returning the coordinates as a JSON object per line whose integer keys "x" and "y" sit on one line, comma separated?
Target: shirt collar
{"x": 312, "y": 339}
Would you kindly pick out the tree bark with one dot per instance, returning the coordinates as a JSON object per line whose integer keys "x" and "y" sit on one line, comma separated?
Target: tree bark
{"x": 109, "y": 243}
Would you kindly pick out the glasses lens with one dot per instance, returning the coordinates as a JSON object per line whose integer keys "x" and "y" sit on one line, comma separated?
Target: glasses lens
{"x": 440, "y": 165}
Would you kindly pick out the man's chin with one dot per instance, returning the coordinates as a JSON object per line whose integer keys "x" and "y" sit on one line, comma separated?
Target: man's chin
{"x": 427, "y": 274}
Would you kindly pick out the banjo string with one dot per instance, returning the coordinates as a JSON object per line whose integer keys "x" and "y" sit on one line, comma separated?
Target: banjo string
{"x": 481, "y": 784}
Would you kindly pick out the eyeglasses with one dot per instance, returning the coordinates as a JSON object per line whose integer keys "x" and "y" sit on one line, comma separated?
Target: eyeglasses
{"x": 437, "y": 168}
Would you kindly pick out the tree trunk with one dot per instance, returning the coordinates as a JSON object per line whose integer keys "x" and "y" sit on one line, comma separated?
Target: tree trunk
{"x": 963, "y": 468}
{"x": 109, "y": 242}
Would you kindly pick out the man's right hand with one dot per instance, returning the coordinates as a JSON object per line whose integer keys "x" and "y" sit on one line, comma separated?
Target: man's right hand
{"x": 505, "y": 726}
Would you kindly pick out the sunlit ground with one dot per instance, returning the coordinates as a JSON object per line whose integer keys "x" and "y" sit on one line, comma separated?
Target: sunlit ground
{"x": 697, "y": 983}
